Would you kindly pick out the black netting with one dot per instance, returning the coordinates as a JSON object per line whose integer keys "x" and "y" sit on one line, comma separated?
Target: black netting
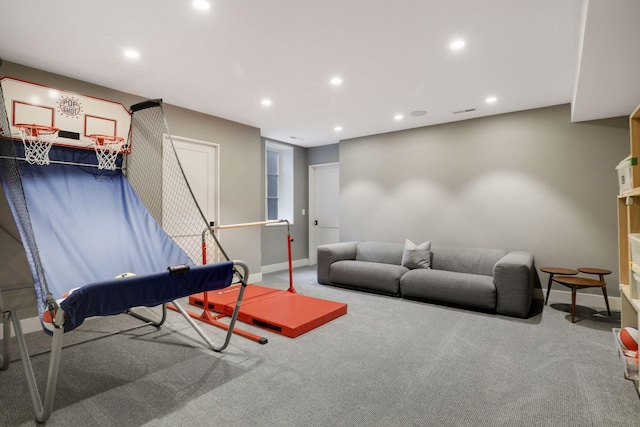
{"x": 12, "y": 186}
{"x": 155, "y": 173}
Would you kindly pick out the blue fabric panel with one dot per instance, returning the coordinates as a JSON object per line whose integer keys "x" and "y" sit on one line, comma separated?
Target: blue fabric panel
{"x": 117, "y": 295}
{"x": 91, "y": 226}
{"x": 69, "y": 154}
{"x": 33, "y": 269}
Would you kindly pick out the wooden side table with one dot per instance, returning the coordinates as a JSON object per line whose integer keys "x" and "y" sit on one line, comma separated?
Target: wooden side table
{"x": 553, "y": 271}
{"x": 576, "y": 283}
{"x": 601, "y": 272}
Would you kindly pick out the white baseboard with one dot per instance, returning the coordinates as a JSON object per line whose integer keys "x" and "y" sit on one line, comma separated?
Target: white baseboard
{"x": 284, "y": 265}
{"x": 584, "y": 299}
{"x": 28, "y": 325}
{"x": 562, "y": 297}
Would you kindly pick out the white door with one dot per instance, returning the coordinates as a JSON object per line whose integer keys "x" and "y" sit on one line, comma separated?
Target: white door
{"x": 324, "y": 206}
{"x": 199, "y": 160}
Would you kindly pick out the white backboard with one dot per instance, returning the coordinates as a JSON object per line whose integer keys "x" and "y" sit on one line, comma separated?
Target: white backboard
{"x": 77, "y": 116}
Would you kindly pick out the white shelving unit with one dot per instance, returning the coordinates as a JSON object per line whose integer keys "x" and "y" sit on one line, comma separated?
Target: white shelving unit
{"x": 629, "y": 222}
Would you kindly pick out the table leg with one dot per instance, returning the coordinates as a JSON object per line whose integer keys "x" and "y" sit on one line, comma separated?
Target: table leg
{"x": 606, "y": 300}
{"x": 573, "y": 303}
{"x": 548, "y": 288}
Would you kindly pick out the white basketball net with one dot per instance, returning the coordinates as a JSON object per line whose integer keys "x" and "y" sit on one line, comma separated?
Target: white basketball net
{"x": 37, "y": 143}
{"x": 107, "y": 148}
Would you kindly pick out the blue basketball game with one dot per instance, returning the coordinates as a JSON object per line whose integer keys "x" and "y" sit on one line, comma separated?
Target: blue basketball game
{"x": 98, "y": 220}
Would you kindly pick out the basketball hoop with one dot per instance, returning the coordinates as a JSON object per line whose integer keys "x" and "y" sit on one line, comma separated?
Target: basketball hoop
{"x": 37, "y": 142}
{"x": 107, "y": 148}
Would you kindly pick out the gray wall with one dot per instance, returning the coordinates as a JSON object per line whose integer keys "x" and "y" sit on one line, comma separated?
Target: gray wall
{"x": 529, "y": 181}
{"x": 324, "y": 154}
{"x": 274, "y": 250}
{"x": 240, "y": 159}
{"x": 274, "y": 242}
{"x": 240, "y": 177}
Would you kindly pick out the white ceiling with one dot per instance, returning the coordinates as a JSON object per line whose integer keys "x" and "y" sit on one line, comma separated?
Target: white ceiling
{"x": 393, "y": 57}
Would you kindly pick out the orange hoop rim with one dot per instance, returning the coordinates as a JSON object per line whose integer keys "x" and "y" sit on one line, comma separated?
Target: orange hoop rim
{"x": 106, "y": 139}
{"x": 37, "y": 128}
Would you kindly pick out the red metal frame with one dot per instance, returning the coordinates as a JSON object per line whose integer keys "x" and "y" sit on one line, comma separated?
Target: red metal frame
{"x": 281, "y": 311}
{"x": 213, "y": 320}
{"x": 206, "y": 317}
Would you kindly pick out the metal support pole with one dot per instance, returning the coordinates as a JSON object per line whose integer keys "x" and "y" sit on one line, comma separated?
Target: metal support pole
{"x": 251, "y": 224}
{"x": 234, "y": 317}
{"x": 41, "y": 409}
{"x": 5, "y": 358}
{"x": 151, "y": 322}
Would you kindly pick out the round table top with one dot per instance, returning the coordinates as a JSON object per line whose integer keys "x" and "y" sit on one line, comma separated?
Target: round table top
{"x": 558, "y": 270}
{"x": 589, "y": 270}
{"x": 579, "y": 281}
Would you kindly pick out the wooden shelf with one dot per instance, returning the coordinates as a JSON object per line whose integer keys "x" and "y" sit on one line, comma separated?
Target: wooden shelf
{"x": 634, "y": 192}
{"x": 629, "y": 222}
{"x": 625, "y": 290}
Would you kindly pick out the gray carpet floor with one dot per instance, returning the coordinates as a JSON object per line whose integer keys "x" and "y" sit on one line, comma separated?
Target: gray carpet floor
{"x": 388, "y": 362}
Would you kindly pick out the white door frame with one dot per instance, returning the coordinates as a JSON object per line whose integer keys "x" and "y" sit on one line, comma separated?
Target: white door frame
{"x": 216, "y": 210}
{"x": 312, "y": 208}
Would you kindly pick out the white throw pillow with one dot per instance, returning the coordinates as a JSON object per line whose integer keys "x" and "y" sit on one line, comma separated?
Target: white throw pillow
{"x": 416, "y": 256}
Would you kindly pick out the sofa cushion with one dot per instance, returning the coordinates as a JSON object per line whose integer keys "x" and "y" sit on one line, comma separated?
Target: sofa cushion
{"x": 370, "y": 276}
{"x": 330, "y": 253}
{"x": 465, "y": 260}
{"x": 388, "y": 253}
{"x": 416, "y": 256}
{"x": 460, "y": 288}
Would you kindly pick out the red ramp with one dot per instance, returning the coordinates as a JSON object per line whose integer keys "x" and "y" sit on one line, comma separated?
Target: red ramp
{"x": 284, "y": 312}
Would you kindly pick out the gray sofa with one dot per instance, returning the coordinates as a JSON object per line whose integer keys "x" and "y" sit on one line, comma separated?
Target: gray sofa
{"x": 489, "y": 279}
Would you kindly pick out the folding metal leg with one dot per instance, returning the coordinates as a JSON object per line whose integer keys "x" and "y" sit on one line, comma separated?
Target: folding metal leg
{"x": 6, "y": 334}
{"x": 5, "y": 358}
{"x": 151, "y": 322}
{"x": 41, "y": 409}
{"x": 234, "y": 317}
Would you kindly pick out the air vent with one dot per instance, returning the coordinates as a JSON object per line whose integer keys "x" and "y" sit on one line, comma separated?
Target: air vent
{"x": 464, "y": 111}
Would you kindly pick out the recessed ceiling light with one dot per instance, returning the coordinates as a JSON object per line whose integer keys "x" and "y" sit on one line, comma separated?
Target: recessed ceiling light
{"x": 130, "y": 53}
{"x": 457, "y": 44}
{"x": 418, "y": 113}
{"x": 491, "y": 100}
{"x": 337, "y": 128}
{"x": 398, "y": 117}
{"x": 266, "y": 102}
{"x": 336, "y": 81}
{"x": 201, "y": 4}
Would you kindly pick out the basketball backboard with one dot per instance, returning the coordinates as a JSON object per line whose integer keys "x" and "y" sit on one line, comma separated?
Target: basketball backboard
{"x": 77, "y": 116}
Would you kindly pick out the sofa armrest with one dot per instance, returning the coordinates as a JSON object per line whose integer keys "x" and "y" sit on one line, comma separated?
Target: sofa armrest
{"x": 328, "y": 254}
{"x": 513, "y": 278}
